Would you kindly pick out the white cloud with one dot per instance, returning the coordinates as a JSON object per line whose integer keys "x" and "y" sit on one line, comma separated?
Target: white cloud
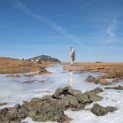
{"x": 111, "y": 31}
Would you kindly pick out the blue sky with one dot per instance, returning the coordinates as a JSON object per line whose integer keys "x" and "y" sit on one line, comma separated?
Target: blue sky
{"x": 50, "y": 27}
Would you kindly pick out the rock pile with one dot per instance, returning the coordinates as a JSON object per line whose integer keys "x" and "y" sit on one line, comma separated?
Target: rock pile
{"x": 100, "y": 110}
{"x": 100, "y": 80}
{"x": 51, "y": 107}
{"x": 75, "y": 99}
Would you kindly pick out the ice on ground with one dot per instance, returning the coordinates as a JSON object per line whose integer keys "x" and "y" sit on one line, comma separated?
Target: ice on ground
{"x": 15, "y": 90}
{"x": 111, "y": 98}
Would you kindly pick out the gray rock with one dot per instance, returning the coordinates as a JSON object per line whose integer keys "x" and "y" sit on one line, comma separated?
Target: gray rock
{"x": 57, "y": 93}
{"x": 100, "y": 110}
{"x": 33, "y": 113}
{"x": 85, "y": 99}
{"x": 66, "y": 88}
{"x": 50, "y": 114}
{"x": 46, "y": 97}
{"x": 79, "y": 107}
{"x": 90, "y": 78}
{"x": 92, "y": 95}
{"x": 74, "y": 92}
{"x": 116, "y": 88}
{"x": 95, "y": 98}
{"x": 97, "y": 90}
{"x": 42, "y": 70}
{"x": 73, "y": 102}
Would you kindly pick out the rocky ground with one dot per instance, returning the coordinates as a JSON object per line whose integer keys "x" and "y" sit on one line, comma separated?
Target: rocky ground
{"x": 52, "y": 107}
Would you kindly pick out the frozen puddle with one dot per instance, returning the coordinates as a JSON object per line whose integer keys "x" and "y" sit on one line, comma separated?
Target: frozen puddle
{"x": 16, "y": 90}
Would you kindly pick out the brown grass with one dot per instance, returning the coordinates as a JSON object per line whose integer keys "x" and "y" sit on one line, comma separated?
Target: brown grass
{"x": 10, "y": 66}
{"x": 112, "y": 70}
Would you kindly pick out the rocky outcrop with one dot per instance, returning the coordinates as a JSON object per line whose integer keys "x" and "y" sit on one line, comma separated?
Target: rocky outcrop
{"x": 100, "y": 110}
{"x": 43, "y": 58}
{"x": 50, "y": 107}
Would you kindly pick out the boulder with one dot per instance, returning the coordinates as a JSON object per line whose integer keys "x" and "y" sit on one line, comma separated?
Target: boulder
{"x": 95, "y": 98}
{"x": 74, "y": 92}
{"x": 80, "y": 106}
{"x": 84, "y": 99}
{"x": 90, "y": 78}
{"x": 91, "y": 96}
{"x": 50, "y": 114}
{"x": 32, "y": 113}
{"x": 100, "y": 110}
{"x": 72, "y": 101}
{"x": 42, "y": 70}
{"x": 57, "y": 93}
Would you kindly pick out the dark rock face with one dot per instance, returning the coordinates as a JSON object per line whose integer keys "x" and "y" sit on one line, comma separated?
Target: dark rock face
{"x": 116, "y": 88}
{"x": 100, "y": 110}
{"x": 43, "y": 58}
{"x": 50, "y": 107}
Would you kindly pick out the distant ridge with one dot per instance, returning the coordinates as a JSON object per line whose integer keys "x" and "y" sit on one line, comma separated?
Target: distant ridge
{"x": 43, "y": 58}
